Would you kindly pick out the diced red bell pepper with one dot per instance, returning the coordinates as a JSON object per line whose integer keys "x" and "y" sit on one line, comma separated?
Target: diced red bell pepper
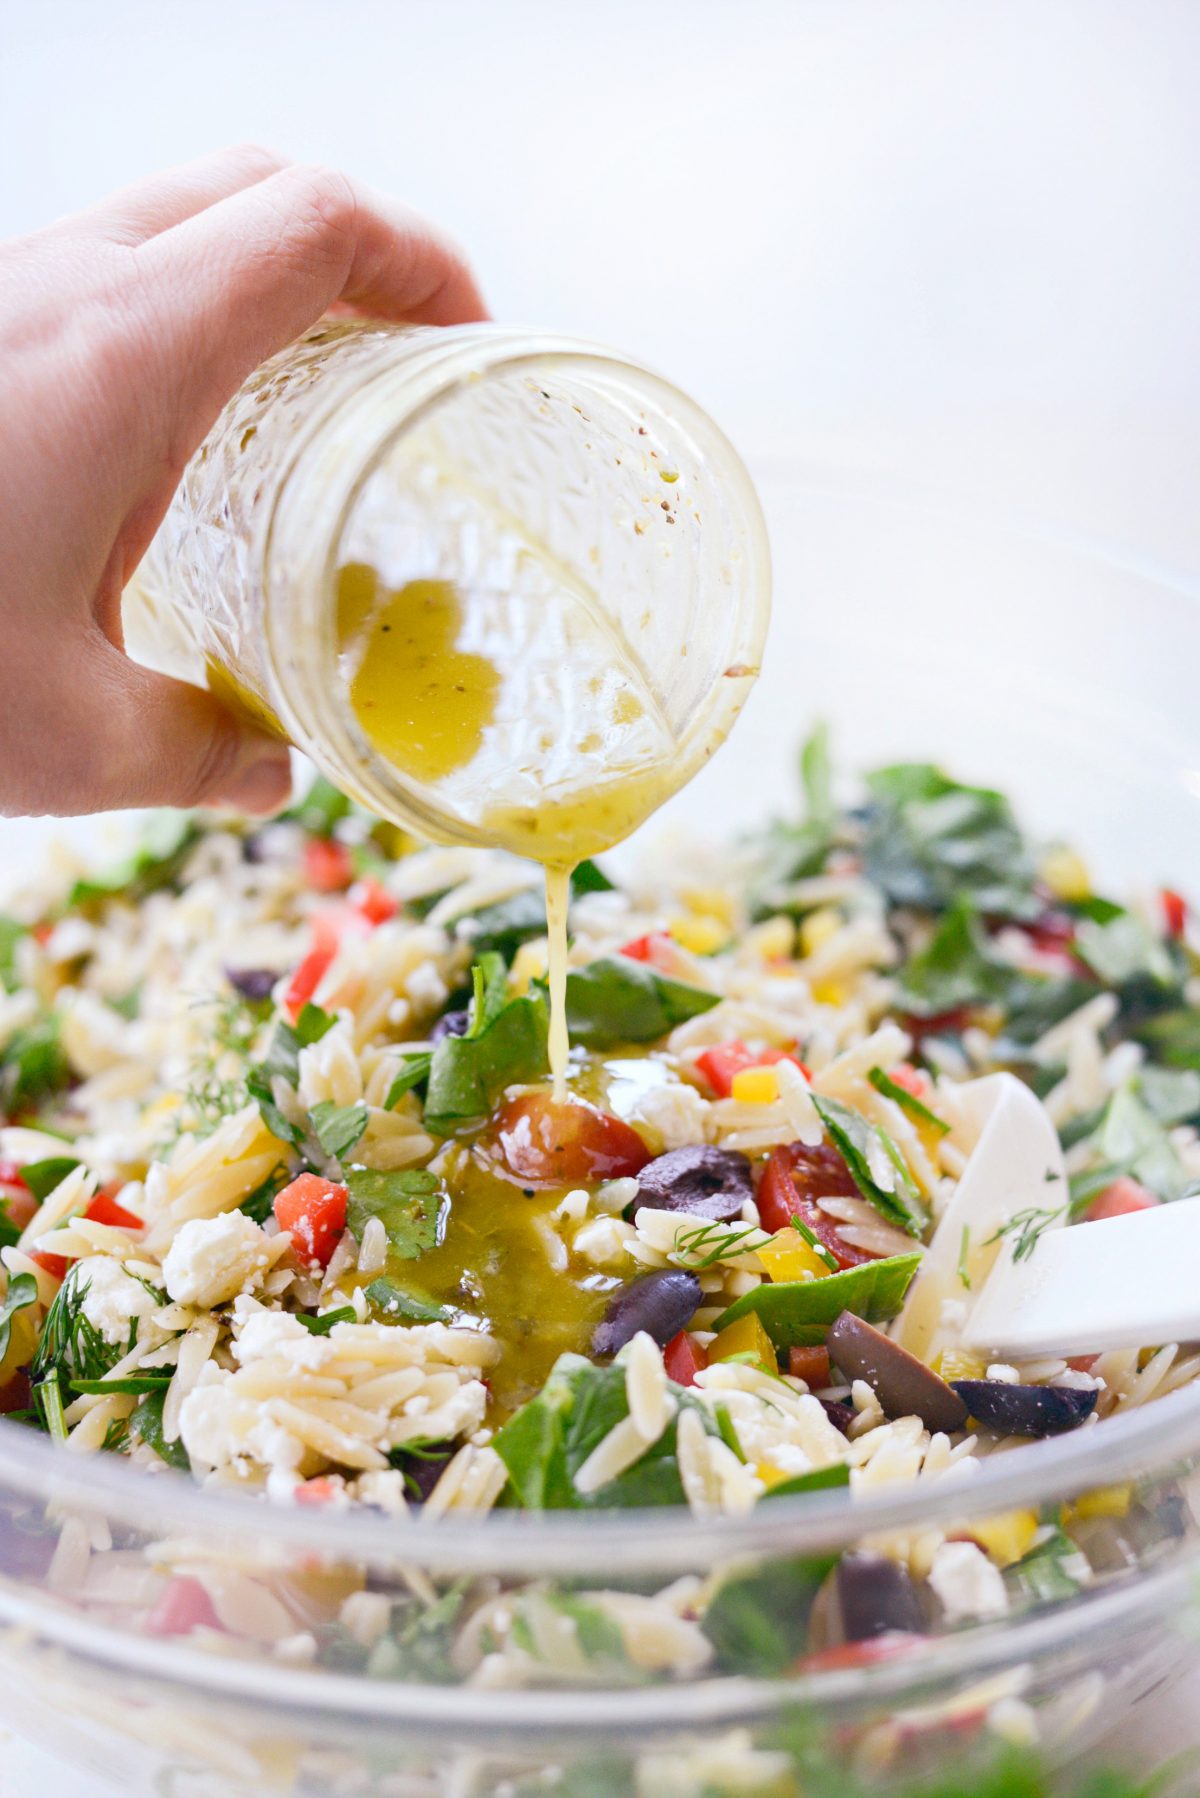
{"x": 319, "y": 1491}
{"x": 372, "y": 901}
{"x": 719, "y": 1064}
{"x": 794, "y": 1179}
{"x": 859, "y": 1654}
{"x": 683, "y": 1359}
{"x": 913, "y": 1081}
{"x": 651, "y": 947}
{"x": 327, "y": 865}
{"x": 1121, "y": 1199}
{"x": 182, "y": 1606}
{"x": 1174, "y": 911}
{"x": 313, "y": 1211}
{"x": 105, "y": 1210}
{"x": 812, "y": 1366}
{"x": 326, "y": 935}
{"x": 10, "y": 1174}
{"x": 54, "y": 1265}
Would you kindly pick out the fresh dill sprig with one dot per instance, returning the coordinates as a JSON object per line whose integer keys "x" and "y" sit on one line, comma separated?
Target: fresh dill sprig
{"x": 1026, "y": 1227}
{"x": 708, "y": 1244}
{"x": 964, "y": 1249}
{"x": 815, "y": 1244}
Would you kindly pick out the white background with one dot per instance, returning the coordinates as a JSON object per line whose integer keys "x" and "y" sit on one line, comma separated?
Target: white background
{"x": 943, "y": 239}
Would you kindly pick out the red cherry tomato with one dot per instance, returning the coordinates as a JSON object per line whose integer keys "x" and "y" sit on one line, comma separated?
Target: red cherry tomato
{"x": 683, "y": 1359}
{"x": 795, "y": 1178}
{"x": 327, "y": 865}
{"x": 719, "y": 1064}
{"x": 16, "y": 1201}
{"x": 105, "y": 1210}
{"x": 16, "y": 1394}
{"x": 859, "y": 1654}
{"x": 913, "y": 1081}
{"x": 313, "y": 1211}
{"x": 372, "y": 901}
{"x": 812, "y": 1366}
{"x": 1174, "y": 911}
{"x": 1120, "y": 1199}
{"x": 654, "y": 946}
{"x": 182, "y": 1606}
{"x": 544, "y": 1144}
{"x": 939, "y": 1025}
{"x": 54, "y": 1265}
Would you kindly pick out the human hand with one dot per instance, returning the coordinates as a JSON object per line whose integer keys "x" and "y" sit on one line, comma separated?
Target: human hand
{"x": 123, "y": 332}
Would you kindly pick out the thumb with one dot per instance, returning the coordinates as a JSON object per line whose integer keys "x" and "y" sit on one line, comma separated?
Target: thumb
{"x": 159, "y": 741}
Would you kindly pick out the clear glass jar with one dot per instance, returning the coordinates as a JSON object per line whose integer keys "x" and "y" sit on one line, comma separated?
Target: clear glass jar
{"x": 481, "y": 455}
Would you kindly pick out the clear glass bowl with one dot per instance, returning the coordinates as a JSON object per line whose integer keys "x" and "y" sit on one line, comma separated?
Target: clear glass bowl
{"x": 1058, "y": 670}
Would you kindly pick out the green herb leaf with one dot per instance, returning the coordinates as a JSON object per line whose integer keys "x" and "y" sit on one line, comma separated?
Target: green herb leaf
{"x": 338, "y": 1127}
{"x": 1173, "y": 1036}
{"x": 798, "y": 1313}
{"x": 619, "y": 1000}
{"x": 757, "y": 1621}
{"x": 821, "y": 1479}
{"x": 22, "y": 1292}
{"x": 954, "y": 969}
{"x": 1052, "y": 1571}
{"x": 932, "y": 843}
{"x": 1170, "y": 1095}
{"x": 33, "y": 1065}
{"x": 70, "y": 1346}
{"x": 506, "y": 1044}
{"x": 10, "y": 935}
{"x": 1124, "y": 952}
{"x": 394, "y": 1303}
{"x": 320, "y": 809}
{"x": 816, "y": 775}
{"x": 140, "y": 1383}
{"x": 409, "y": 1202}
{"x": 321, "y": 1326}
{"x": 908, "y": 1102}
{"x": 41, "y": 1177}
{"x": 875, "y": 1164}
{"x": 1131, "y": 1140}
{"x": 260, "y": 1203}
{"x": 414, "y": 1069}
{"x": 504, "y": 926}
{"x": 282, "y": 1062}
{"x": 815, "y": 1244}
{"x": 157, "y": 861}
{"x": 147, "y": 1424}
{"x": 1027, "y": 1228}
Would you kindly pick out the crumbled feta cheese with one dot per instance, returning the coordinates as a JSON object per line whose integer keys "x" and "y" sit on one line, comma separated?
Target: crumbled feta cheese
{"x": 112, "y": 1297}
{"x": 967, "y": 1584}
{"x": 212, "y": 1259}
{"x": 674, "y": 1112}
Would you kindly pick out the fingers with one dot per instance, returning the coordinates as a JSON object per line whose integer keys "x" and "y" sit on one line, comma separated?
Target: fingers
{"x": 135, "y": 738}
{"x": 247, "y": 275}
{"x": 141, "y": 211}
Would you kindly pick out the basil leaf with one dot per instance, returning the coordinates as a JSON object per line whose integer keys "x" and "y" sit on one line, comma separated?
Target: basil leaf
{"x": 875, "y": 1164}
{"x": 41, "y": 1177}
{"x": 22, "y": 1292}
{"x": 394, "y": 1303}
{"x": 547, "y": 1441}
{"x": 954, "y": 969}
{"x": 468, "y": 1073}
{"x": 821, "y": 1479}
{"x": 33, "y": 1065}
{"x": 798, "y": 1313}
{"x": 757, "y": 1621}
{"x": 157, "y": 861}
{"x": 338, "y": 1127}
{"x": 1124, "y": 951}
{"x": 504, "y": 926}
{"x": 321, "y": 1326}
{"x": 409, "y": 1202}
{"x": 147, "y": 1423}
{"x": 623, "y": 1001}
{"x": 10, "y": 935}
{"x": 414, "y": 1070}
{"x": 931, "y": 842}
{"x": 908, "y": 1102}
{"x": 321, "y": 808}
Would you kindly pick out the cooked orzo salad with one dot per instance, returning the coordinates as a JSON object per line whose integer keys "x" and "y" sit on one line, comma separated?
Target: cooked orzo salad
{"x": 287, "y": 1203}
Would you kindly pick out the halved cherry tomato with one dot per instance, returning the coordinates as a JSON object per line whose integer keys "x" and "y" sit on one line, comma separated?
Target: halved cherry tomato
{"x": 1174, "y": 911}
{"x": 16, "y": 1201}
{"x": 182, "y": 1606}
{"x": 683, "y": 1359}
{"x": 313, "y": 1211}
{"x": 105, "y": 1210}
{"x": 720, "y": 1063}
{"x": 372, "y": 901}
{"x": 544, "y": 1144}
{"x": 795, "y": 1178}
{"x": 939, "y": 1024}
{"x": 1121, "y": 1199}
{"x": 812, "y": 1366}
{"x": 327, "y": 865}
{"x": 654, "y": 946}
{"x": 54, "y": 1265}
{"x": 859, "y": 1654}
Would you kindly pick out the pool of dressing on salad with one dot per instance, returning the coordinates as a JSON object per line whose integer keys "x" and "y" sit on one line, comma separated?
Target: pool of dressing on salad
{"x": 537, "y": 704}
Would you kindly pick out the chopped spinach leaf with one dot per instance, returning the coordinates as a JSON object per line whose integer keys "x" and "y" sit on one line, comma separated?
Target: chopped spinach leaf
{"x": 619, "y": 1000}
{"x": 282, "y": 1062}
{"x": 953, "y": 970}
{"x": 157, "y": 861}
{"x": 1124, "y": 951}
{"x": 1052, "y": 1571}
{"x": 10, "y": 935}
{"x": 41, "y": 1177}
{"x": 1131, "y": 1140}
{"x": 338, "y": 1127}
{"x": 875, "y": 1164}
{"x": 816, "y": 776}
{"x": 321, "y": 1326}
{"x": 22, "y": 1292}
{"x": 147, "y": 1425}
{"x": 33, "y": 1065}
{"x": 321, "y": 808}
{"x": 502, "y": 928}
{"x": 260, "y": 1203}
{"x": 931, "y": 843}
{"x": 506, "y": 1043}
{"x": 409, "y": 1202}
{"x": 757, "y": 1620}
{"x": 394, "y": 1303}
{"x": 798, "y": 1313}
{"x": 413, "y": 1071}
{"x": 1172, "y": 1037}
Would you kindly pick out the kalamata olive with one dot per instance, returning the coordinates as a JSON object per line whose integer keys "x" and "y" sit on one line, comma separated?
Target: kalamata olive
{"x": 661, "y": 1303}
{"x": 706, "y": 1182}
{"x": 452, "y": 1023}
{"x": 904, "y": 1386}
{"x": 1025, "y": 1410}
{"x": 422, "y": 1468}
{"x": 877, "y": 1596}
{"x": 252, "y": 983}
{"x": 840, "y": 1416}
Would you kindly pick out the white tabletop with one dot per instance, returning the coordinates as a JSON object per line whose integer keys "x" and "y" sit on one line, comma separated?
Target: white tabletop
{"x": 950, "y": 242}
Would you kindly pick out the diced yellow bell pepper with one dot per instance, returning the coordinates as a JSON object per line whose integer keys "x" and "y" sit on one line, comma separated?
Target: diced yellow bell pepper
{"x": 700, "y": 935}
{"x": 529, "y": 964}
{"x": 818, "y": 928}
{"x": 1065, "y": 873}
{"x": 1006, "y": 1538}
{"x": 788, "y": 1257}
{"x": 829, "y": 992}
{"x": 773, "y": 939}
{"x": 1105, "y": 1501}
{"x": 957, "y": 1364}
{"x": 710, "y": 902}
{"x": 770, "y": 1475}
{"x": 756, "y": 1086}
{"x": 745, "y": 1337}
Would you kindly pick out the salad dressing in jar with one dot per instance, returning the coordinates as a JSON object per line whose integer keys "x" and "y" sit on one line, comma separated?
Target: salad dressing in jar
{"x": 503, "y": 588}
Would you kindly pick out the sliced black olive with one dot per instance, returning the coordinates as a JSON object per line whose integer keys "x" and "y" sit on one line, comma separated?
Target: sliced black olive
{"x": 840, "y": 1416}
{"x": 661, "y": 1303}
{"x": 252, "y": 983}
{"x": 1025, "y": 1410}
{"x": 706, "y": 1182}
{"x": 422, "y": 1467}
{"x": 904, "y": 1386}
{"x": 877, "y": 1596}
{"x": 452, "y": 1023}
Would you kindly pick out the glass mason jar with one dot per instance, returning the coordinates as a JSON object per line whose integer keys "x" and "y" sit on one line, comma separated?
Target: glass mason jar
{"x": 504, "y": 461}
